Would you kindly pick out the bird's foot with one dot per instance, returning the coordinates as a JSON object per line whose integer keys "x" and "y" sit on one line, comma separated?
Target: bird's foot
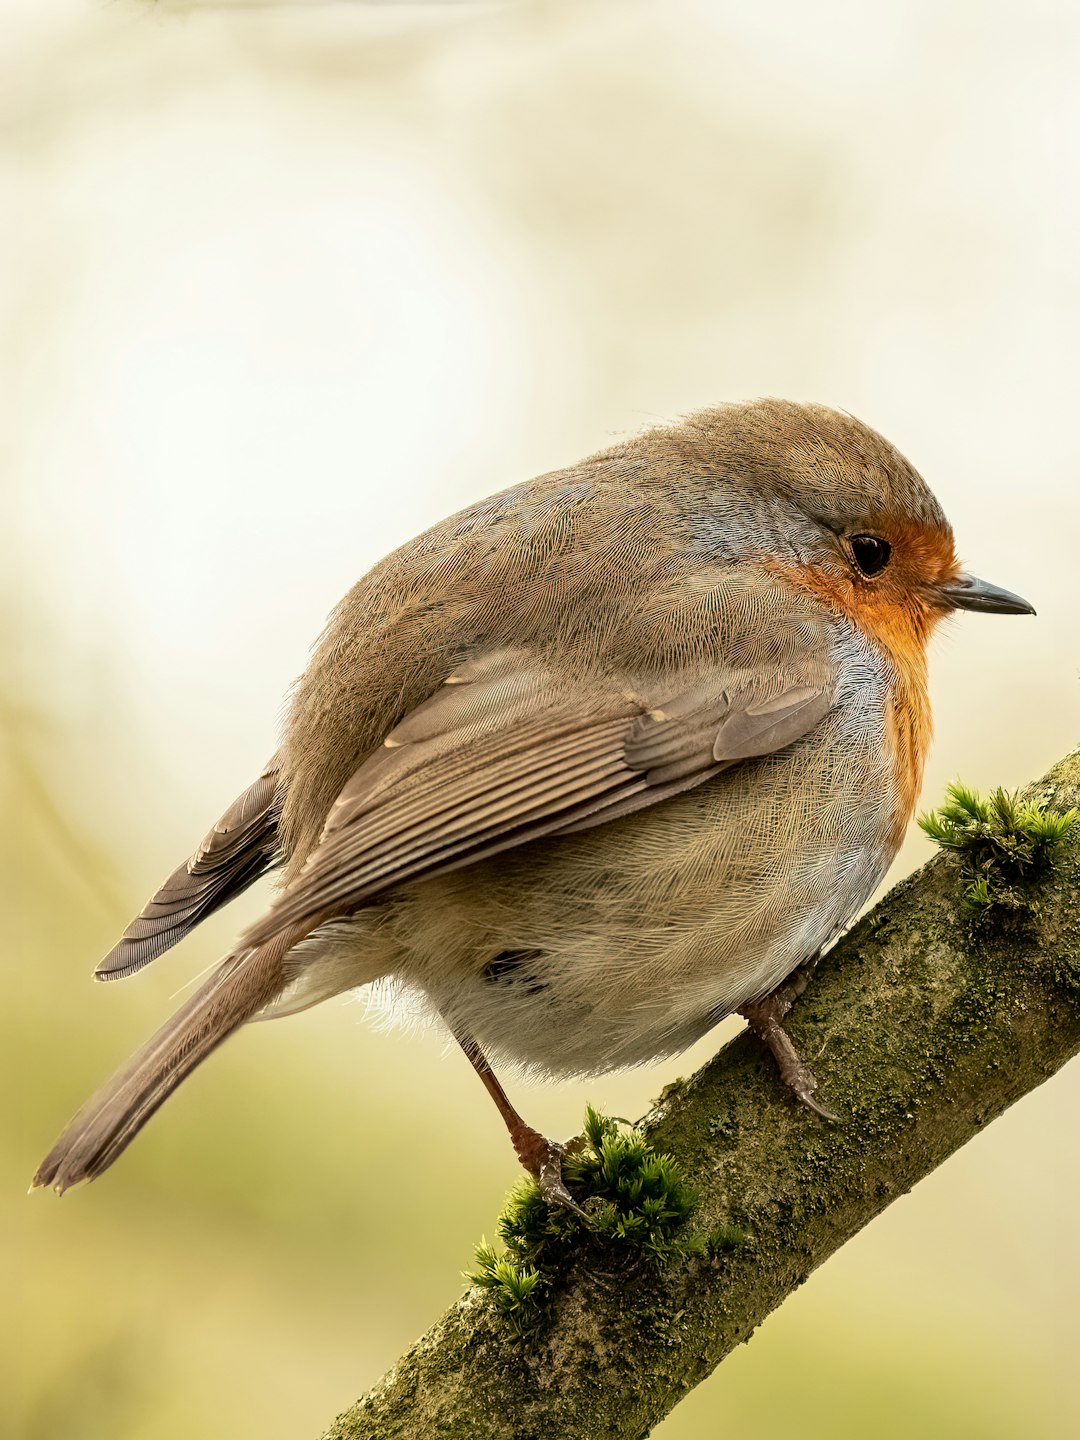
{"x": 764, "y": 1017}
{"x": 543, "y": 1160}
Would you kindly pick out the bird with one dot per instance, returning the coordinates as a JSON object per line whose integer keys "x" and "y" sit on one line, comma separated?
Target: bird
{"x": 585, "y": 768}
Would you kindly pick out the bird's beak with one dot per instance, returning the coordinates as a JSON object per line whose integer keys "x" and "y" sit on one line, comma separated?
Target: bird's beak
{"x": 968, "y": 593}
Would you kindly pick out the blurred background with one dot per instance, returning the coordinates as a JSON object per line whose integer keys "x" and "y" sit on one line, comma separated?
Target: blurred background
{"x": 283, "y": 283}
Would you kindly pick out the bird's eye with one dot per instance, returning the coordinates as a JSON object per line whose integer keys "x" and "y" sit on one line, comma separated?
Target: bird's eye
{"x": 870, "y": 553}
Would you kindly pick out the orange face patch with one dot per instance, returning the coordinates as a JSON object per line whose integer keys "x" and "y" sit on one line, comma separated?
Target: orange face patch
{"x": 896, "y": 610}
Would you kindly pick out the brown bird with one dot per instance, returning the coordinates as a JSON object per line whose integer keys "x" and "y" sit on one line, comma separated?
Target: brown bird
{"x": 588, "y": 766}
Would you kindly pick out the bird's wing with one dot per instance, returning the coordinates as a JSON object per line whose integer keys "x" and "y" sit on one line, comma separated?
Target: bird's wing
{"x": 503, "y": 754}
{"x": 240, "y": 848}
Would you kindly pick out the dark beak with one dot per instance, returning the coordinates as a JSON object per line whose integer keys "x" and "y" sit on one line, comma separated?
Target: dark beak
{"x": 968, "y": 593}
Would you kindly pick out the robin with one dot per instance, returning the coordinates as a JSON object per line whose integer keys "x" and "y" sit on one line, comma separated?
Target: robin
{"x": 588, "y": 766}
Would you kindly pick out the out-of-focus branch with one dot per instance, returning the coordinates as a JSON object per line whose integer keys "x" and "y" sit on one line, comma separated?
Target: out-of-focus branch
{"x": 924, "y": 1023}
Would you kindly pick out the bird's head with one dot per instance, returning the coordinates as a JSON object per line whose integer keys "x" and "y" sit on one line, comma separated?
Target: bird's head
{"x": 846, "y": 516}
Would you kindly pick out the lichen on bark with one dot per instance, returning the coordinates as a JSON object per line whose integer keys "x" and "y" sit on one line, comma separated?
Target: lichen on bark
{"x": 922, "y": 1028}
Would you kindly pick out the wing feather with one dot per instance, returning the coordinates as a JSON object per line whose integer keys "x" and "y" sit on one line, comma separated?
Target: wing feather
{"x": 239, "y": 849}
{"x": 467, "y": 775}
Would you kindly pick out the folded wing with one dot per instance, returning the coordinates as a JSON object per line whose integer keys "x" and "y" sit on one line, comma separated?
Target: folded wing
{"x": 504, "y": 754}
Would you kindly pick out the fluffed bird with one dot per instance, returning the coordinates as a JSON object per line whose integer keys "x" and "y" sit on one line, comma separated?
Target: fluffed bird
{"x": 588, "y": 766}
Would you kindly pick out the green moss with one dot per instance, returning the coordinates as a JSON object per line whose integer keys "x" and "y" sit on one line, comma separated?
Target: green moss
{"x": 636, "y": 1205}
{"x": 1002, "y": 844}
{"x": 512, "y": 1288}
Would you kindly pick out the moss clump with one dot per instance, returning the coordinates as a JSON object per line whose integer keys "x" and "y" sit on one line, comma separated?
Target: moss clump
{"x": 512, "y": 1287}
{"x": 636, "y": 1205}
{"x": 1002, "y": 843}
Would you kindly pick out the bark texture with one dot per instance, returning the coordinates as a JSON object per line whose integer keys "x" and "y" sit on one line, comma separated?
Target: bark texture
{"x": 923, "y": 1024}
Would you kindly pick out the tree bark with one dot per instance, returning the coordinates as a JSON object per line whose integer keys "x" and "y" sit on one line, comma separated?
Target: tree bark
{"x": 923, "y": 1024}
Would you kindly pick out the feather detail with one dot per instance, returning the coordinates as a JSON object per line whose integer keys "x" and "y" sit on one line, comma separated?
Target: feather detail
{"x": 488, "y": 765}
{"x": 235, "y": 853}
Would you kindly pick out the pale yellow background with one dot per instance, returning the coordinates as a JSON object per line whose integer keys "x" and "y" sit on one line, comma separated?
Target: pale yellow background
{"x": 284, "y": 283}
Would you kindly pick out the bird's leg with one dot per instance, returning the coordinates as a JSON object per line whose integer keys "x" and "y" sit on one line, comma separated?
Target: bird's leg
{"x": 765, "y": 1016}
{"x": 540, "y": 1156}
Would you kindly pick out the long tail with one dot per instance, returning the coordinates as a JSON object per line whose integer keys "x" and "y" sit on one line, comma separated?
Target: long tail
{"x": 109, "y": 1121}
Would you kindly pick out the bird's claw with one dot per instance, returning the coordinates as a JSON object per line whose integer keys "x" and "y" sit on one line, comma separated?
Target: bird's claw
{"x": 765, "y": 1016}
{"x": 805, "y": 1096}
{"x": 553, "y": 1187}
{"x": 543, "y": 1159}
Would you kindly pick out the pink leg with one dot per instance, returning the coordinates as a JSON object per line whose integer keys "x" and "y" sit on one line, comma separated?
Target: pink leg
{"x": 540, "y": 1156}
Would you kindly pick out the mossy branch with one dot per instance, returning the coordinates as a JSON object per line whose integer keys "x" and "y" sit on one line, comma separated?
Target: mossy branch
{"x": 953, "y": 998}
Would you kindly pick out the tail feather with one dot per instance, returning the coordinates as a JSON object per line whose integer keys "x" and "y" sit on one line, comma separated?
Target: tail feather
{"x": 108, "y": 1122}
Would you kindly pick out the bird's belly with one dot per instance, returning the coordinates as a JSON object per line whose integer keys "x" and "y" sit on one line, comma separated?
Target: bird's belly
{"x": 584, "y": 956}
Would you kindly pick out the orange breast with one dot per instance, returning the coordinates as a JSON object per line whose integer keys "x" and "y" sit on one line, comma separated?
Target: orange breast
{"x": 908, "y": 727}
{"x": 902, "y": 632}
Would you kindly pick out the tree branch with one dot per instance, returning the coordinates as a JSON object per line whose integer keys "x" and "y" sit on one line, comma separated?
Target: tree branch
{"x": 924, "y": 1024}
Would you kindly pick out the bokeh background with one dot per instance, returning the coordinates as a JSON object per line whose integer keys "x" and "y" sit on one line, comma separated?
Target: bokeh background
{"x": 283, "y": 284}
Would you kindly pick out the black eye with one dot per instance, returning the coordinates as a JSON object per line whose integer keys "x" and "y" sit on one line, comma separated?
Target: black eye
{"x": 871, "y": 553}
